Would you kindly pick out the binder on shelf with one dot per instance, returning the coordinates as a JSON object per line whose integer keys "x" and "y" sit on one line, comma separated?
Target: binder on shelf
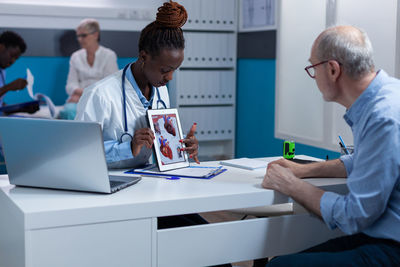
{"x": 213, "y": 123}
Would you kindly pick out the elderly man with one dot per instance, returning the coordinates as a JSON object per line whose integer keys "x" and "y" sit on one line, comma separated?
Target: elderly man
{"x": 342, "y": 66}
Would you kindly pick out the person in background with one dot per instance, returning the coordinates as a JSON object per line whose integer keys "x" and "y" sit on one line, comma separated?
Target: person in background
{"x": 88, "y": 65}
{"x": 91, "y": 63}
{"x": 343, "y": 68}
{"x": 11, "y": 47}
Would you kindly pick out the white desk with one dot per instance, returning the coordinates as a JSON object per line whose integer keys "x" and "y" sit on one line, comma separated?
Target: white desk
{"x": 42, "y": 228}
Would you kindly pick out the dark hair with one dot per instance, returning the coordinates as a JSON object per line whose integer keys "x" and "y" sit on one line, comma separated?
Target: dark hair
{"x": 165, "y": 31}
{"x": 12, "y": 39}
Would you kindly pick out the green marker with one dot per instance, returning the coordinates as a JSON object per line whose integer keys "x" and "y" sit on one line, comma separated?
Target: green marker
{"x": 288, "y": 149}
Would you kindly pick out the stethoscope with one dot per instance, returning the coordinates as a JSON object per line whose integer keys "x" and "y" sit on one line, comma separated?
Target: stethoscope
{"x": 127, "y": 136}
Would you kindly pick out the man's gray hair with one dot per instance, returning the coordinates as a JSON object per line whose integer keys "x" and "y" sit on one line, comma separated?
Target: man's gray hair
{"x": 351, "y": 48}
{"x": 91, "y": 25}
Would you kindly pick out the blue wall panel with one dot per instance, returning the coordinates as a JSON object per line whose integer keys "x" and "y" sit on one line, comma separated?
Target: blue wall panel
{"x": 50, "y": 77}
{"x": 256, "y": 113}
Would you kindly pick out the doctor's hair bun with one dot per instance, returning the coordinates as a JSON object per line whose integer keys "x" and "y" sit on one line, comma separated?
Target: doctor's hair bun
{"x": 165, "y": 32}
{"x": 171, "y": 15}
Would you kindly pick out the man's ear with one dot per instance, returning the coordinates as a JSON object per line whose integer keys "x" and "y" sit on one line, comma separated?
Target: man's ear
{"x": 334, "y": 70}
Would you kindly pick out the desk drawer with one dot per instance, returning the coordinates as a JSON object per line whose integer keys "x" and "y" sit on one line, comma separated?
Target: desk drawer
{"x": 217, "y": 243}
{"x": 123, "y": 243}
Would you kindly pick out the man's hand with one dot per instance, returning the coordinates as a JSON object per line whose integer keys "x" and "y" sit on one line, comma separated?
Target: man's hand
{"x": 142, "y": 137}
{"x": 16, "y": 85}
{"x": 191, "y": 143}
{"x": 283, "y": 180}
{"x": 296, "y": 168}
{"x": 279, "y": 178}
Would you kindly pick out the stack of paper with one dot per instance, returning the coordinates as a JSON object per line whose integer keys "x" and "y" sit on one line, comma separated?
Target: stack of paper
{"x": 245, "y": 163}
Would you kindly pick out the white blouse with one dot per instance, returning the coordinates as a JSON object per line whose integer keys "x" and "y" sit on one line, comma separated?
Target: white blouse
{"x": 81, "y": 74}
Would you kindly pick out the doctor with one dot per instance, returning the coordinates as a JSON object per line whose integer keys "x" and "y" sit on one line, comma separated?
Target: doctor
{"x": 120, "y": 101}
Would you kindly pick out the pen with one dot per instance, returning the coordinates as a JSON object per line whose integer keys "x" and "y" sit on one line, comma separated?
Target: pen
{"x": 160, "y": 176}
{"x": 342, "y": 144}
{"x": 173, "y": 178}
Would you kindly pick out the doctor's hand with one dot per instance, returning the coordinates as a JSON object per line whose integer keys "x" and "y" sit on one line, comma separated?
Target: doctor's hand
{"x": 191, "y": 143}
{"x": 16, "y": 85}
{"x": 142, "y": 137}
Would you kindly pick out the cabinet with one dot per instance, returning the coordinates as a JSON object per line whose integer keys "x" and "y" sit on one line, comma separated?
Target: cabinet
{"x": 204, "y": 87}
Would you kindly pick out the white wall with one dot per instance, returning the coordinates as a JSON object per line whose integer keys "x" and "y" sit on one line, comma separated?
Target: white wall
{"x": 301, "y": 114}
{"x": 112, "y": 14}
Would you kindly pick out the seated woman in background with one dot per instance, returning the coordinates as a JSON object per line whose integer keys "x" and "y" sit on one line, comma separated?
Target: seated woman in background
{"x": 88, "y": 65}
{"x": 92, "y": 62}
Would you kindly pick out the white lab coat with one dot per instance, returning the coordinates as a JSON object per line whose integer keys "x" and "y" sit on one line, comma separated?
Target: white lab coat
{"x": 102, "y": 102}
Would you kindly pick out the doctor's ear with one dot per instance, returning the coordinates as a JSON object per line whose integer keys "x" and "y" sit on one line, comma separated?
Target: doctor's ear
{"x": 143, "y": 56}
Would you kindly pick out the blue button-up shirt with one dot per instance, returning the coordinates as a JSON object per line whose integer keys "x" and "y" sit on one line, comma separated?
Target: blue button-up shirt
{"x": 372, "y": 205}
{"x": 2, "y": 83}
{"x": 146, "y": 103}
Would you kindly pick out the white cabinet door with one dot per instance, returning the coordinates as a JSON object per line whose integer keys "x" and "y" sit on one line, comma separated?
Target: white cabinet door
{"x": 123, "y": 243}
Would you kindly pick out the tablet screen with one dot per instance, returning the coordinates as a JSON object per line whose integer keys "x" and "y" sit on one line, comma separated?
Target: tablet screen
{"x": 167, "y": 130}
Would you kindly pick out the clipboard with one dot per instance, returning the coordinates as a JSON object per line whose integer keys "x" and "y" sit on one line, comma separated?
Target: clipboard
{"x": 202, "y": 172}
{"x": 8, "y": 109}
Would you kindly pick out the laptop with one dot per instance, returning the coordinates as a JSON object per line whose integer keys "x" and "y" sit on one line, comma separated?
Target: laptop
{"x": 58, "y": 154}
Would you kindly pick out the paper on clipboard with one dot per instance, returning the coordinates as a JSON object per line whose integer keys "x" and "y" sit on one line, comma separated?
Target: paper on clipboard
{"x": 38, "y": 96}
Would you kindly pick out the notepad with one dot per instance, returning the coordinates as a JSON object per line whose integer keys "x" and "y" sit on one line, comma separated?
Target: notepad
{"x": 245, "y": 163}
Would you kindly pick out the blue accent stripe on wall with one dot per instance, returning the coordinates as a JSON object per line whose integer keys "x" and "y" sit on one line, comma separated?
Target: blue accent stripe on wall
{"x": 50, "y": 77}
{"x": 256, "y": 113}
{"x": 255, "y": 108}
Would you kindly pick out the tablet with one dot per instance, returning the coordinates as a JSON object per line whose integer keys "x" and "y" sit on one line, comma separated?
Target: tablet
{"x": 167, "y": 129}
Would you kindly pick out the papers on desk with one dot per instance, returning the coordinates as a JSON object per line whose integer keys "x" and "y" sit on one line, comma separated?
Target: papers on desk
{"x": 245, "y": 163}
{"x": 199, "y": 172}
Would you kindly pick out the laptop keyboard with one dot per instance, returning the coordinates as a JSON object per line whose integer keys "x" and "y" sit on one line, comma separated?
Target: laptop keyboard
{"x": 115, "y": 183}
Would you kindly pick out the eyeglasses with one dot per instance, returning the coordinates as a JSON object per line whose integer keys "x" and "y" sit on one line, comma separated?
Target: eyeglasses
{"x": 310, "y": 69}
{"x": 83, "y": 35}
